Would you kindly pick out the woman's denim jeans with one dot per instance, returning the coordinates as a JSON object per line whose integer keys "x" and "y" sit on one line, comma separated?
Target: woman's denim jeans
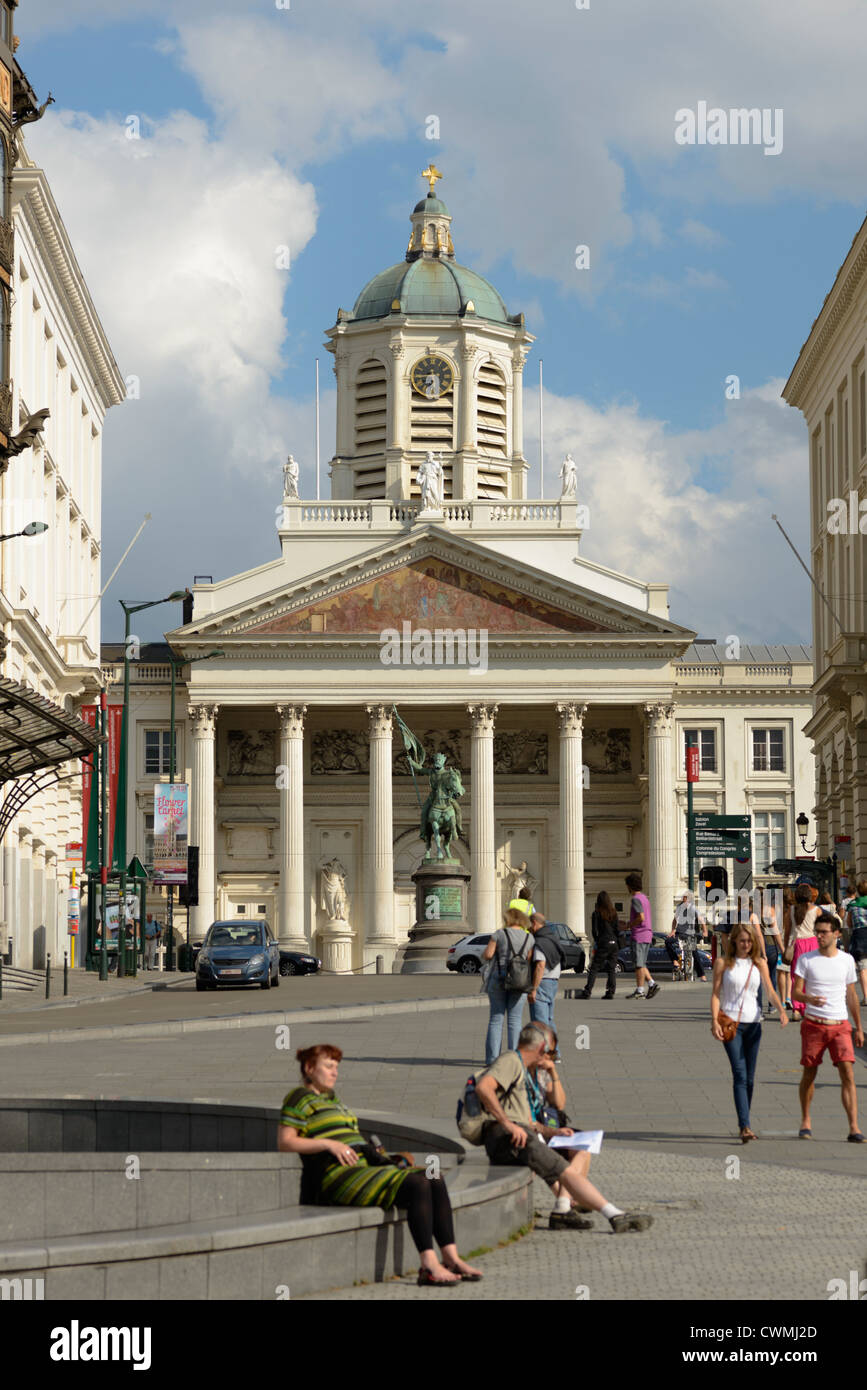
{"x": 743, "y": 1053}
{"x": 505, "y": 1004}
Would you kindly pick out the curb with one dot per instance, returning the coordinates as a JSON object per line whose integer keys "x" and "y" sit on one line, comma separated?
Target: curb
{"x": 180, "y": 1026}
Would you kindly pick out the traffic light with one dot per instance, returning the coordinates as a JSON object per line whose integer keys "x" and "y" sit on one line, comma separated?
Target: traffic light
{"x": 188, "y": 893}
{"x": 714, "y": 878}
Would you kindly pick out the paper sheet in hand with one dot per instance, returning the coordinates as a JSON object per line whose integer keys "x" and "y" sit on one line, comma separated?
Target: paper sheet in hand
{"x": 589, "y": 1139}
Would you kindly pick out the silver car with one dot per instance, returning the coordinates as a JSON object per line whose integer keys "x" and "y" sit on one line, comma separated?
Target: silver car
{"x": 466, "y": 955}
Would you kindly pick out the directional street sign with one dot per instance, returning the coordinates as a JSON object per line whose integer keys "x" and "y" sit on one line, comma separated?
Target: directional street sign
{"x": 719, "y": 837}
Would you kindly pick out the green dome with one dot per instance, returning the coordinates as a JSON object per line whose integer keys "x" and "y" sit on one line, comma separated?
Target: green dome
{"x": 429, "y": 286}
{"x": 432, "y": 204}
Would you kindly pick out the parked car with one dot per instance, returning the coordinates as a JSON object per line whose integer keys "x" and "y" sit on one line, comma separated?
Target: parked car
{"x": 659, "y": 962}
{"x": 466, "y": 955}
{"x": 292, "y": 963}
{"x": 238, "y": 953}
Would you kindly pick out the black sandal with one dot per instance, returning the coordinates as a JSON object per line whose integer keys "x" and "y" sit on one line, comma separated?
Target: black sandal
{"x": 426, "y": 1279}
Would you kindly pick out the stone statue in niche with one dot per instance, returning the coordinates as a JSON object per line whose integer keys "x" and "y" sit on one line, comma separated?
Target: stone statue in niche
{"x": 522, "y": 884}
{"x": 339, "y": 751}
{"x": 332, "y": 897}
{"x": 523, "y": 752}
{"x": 251, "y": 753}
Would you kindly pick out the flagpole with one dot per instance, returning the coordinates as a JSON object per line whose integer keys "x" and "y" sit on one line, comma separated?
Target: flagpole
{"x": 317, "y": 429}
{"x": 541, "y": 439}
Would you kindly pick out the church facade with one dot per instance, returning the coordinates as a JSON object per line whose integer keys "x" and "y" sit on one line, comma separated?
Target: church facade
{"x": 561, "y": 689}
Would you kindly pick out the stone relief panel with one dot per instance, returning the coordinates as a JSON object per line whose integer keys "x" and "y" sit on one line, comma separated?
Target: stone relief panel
{"x": 339, "y": 751}
{"x": 251, "y": 753}
{"x": 608, "y": 750}
{"x": 521, "y": 753}
{"x": 455, "y": 743}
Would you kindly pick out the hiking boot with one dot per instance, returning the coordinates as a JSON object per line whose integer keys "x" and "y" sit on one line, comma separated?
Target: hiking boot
{"x": 654, "y": 989}
{"x": 630, "y": 1221}
{"x": 568, "y": 1221}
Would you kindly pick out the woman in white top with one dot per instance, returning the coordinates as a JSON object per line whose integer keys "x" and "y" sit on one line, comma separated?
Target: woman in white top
{"x": 736, "y": 979}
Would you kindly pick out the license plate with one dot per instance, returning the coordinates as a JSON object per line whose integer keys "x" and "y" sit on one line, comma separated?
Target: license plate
{"x": 231, "y": 972}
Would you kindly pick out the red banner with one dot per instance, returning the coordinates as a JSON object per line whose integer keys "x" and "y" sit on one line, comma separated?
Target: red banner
{"x": 89, "y": 714}
{"x": 692, "y": 763}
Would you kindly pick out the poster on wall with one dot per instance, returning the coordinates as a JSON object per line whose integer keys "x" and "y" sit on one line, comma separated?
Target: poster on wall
{"x": 171, "y": 832}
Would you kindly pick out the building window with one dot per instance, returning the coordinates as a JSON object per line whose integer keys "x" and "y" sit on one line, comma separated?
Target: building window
{"x": 769, "y": 838}
{"x": 769, "y": 754}
{"x": 158, "y": 752}
{"x": 706, "y": 741}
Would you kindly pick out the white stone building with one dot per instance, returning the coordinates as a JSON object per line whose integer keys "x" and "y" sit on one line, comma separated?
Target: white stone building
{"x": 828, "y": 383}
{"x": 49, "y": 583}
{"x": 568, "y": 731}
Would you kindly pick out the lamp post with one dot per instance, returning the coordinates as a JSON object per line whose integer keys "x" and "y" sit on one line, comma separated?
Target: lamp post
{"x": 33, "y": 528}
{"x": 119, "y": 856}
{"x": 176, "y": 663}
{"x": 802, "y": 823}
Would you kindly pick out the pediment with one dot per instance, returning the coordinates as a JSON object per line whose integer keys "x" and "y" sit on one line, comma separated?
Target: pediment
{"x": 432, "y": 581}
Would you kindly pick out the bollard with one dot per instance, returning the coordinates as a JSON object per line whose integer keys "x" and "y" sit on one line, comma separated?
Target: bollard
{"x": 9, "y": 956}
{"x": 65, "y": 972}
{"x": 48, "y": 975}
{"x": 380, "y": 965}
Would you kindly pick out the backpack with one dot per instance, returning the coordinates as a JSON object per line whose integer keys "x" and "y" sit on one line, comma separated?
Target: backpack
{"x": 519, "y": 969}
{"x": 471, "y": 1116}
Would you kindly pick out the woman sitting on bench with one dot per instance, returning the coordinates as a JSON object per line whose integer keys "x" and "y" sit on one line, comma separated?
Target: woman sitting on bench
{"x": 341, "y": 1168}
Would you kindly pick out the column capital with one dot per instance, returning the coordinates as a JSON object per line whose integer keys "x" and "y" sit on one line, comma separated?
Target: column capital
{"x": 483, "y": 717}
{"x": 203, "y": 719}
{"x": 379, "y": 718}
{"x": 659, "y": 717}
{"x": 291, "y": 719}
{"x": 571, "y": 717}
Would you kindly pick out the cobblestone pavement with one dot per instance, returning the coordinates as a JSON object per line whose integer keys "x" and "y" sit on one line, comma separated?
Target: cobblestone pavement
{"x": 646, "y": 1071}
{"x": 713, "y": 1238}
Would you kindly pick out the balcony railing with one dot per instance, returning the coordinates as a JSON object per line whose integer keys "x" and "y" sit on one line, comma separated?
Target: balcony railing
{"x": 383, "y": 514}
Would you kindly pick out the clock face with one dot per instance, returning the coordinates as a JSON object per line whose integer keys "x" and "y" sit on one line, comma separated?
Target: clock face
{"x": 432, "y": 376}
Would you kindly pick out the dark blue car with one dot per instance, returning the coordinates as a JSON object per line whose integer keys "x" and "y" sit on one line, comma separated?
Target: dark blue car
{"x": 238, "y": 953}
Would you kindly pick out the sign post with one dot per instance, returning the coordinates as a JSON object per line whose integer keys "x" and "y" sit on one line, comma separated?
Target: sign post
{"x": 692, "y": 776}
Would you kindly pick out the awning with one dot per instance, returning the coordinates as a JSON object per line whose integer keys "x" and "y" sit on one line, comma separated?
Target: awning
{"x": 34, "y": 733}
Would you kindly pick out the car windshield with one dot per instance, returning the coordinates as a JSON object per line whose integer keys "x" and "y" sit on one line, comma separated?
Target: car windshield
{"x": 234, "y": 934}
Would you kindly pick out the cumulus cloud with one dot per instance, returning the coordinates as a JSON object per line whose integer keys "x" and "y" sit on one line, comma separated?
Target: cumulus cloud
{"x": 653, "y": 515}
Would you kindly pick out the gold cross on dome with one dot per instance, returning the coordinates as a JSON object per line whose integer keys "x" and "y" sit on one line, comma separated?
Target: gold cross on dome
{"x": 431, "y": 173}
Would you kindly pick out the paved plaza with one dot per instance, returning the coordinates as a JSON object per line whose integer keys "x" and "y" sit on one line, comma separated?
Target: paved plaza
{"x": 646, "y": 1071}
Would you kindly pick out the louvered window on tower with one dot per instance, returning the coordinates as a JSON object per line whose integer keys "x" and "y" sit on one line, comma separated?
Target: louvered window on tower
{"x": 491, "y": 437}
{"x": 371, "y": 396}
{"x": 432, "y": 422}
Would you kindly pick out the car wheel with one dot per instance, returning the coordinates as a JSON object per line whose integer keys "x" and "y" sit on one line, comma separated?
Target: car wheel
{"x": 468, "y": 965}
{"x": 288, "y": 967}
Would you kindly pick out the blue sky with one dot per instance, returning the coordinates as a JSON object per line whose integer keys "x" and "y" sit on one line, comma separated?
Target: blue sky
{"x": 555, "y": 131}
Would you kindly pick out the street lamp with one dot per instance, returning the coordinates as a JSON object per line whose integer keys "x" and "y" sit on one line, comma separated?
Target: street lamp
{"x": 33, "y": 528}
{"x": 176, "y": 596}
{"x": 802, "y": 823}
{"x": 176, "y": 663}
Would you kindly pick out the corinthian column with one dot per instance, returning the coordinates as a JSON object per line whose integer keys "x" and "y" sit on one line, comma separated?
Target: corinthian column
{"x": 379, "y": 933}
{"x": 484, "y": 914}
{"x": 203, "y": 720}
{"x": 572, "y": 816}
{"x": 291, "y": 916}
{"x": 662, "y": 815}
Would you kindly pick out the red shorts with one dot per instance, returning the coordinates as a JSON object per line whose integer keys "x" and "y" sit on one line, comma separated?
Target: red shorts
{"x": 815, "y": 1037}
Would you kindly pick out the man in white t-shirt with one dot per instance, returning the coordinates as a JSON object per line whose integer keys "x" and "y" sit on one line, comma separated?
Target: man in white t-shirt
{"x": 824, "y": 982}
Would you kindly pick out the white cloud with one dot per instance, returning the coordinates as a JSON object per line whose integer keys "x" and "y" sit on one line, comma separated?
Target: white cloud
{"x": 702, "y": 235}
{"x": 652, "y": 517}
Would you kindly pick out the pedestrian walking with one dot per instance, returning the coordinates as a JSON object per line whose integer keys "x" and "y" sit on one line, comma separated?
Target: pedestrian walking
{"x": 687, "y": 926}
{"x": 784, "y": 965}
{"x": 641, "y": 928}
{"x": 736, "y": 1018}
{"x": 542, "y": 997}
{"x": 824, "y": 986}
{"x": 606, "y": 943}
{"x": 800, "y": 937}
{"x": 856, "y": 921}
{"x": 513, "y": 942}
{"x": 153, "y": 932}
{"x": 773, "y": 942}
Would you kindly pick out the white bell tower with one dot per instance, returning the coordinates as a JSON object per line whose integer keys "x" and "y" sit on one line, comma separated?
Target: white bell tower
{"x": 429, "y": 359}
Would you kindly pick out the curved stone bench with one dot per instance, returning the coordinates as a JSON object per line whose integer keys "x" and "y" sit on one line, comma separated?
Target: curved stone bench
{"x": 216, "y": 1224}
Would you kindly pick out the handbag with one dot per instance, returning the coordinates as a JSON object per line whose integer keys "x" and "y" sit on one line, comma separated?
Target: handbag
{"x": 519, "y": 970}
{"x": 729, "y": 1026}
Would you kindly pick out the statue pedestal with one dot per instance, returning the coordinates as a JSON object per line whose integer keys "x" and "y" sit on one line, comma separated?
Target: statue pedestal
{"x": 441, "y": 887}
{"x": 337, "y": 937}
